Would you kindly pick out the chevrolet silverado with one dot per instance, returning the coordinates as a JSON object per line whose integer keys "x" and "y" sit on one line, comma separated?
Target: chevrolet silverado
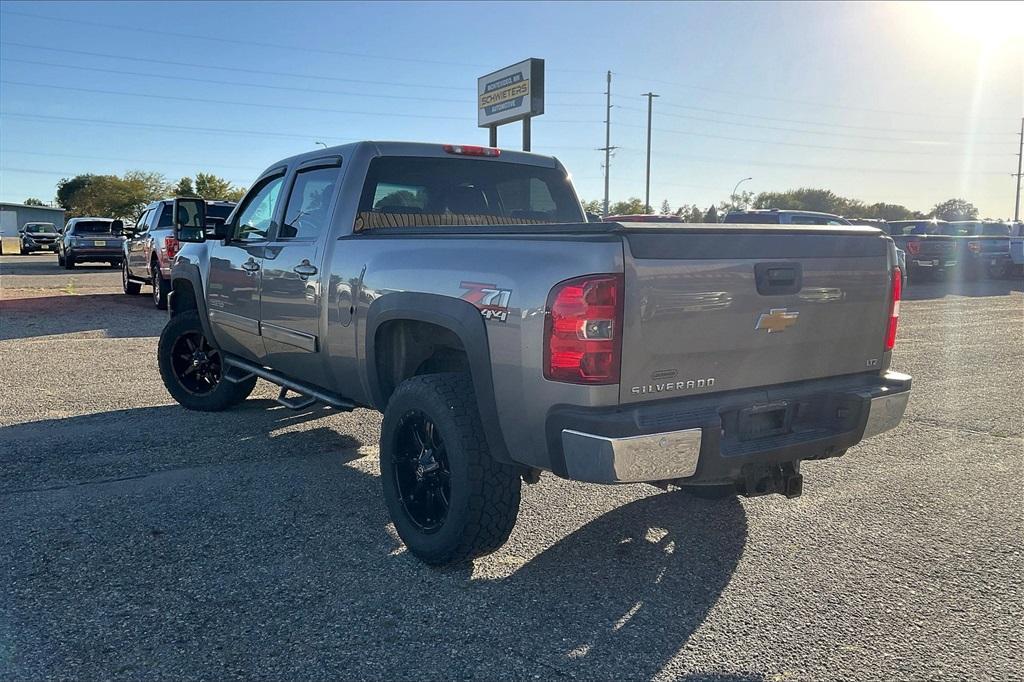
{"x": 460, "y": 291}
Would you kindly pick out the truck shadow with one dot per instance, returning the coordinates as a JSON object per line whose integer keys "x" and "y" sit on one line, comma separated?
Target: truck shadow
{"x": 244, "y": 530}
{"x": 115, "y": 315}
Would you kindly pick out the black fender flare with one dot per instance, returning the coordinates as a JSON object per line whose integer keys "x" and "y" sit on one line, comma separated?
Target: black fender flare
{"x": 461, "y": 318}
{"x": 189, "y": 272}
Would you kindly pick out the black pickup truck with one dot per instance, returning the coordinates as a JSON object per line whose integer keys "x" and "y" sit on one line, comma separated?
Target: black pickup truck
{"x": 930, "y": 249}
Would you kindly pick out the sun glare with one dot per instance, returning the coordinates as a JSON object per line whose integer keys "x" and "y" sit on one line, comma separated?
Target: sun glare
{"x": 982, "y": 21}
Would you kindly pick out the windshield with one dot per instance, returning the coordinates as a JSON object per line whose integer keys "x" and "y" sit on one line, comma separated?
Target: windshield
{"x": 959, "y": 229}
{"x": 410, "y": 191}
{"x": 92, "y": 227}
{"x": 995, "y": 230}
{"x": 36, "y": 228}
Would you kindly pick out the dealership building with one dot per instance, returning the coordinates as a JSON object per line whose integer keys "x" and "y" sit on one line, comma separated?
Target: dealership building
{"x": 14, "y": 216}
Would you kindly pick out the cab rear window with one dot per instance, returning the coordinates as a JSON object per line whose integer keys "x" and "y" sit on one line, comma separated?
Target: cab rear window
{"x": 420, "y": 191}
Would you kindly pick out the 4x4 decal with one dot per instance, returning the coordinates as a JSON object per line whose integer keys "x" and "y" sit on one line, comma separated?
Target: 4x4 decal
{"x": 492, "y": 301}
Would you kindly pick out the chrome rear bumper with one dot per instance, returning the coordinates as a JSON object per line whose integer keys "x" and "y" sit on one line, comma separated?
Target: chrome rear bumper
{"x": 676, "y": 454}
{"x": 656, "y": 457}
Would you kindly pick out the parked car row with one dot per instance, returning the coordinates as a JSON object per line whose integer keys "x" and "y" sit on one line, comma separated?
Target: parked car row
{"x": 144, "y": 251}
{"x": 970, "y": 248}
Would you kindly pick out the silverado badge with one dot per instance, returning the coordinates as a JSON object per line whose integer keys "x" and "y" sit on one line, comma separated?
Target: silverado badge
{"x": 776, "y": 320}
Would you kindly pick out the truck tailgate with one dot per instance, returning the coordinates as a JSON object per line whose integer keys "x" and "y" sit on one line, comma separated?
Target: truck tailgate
{"x": 718, "y": 309}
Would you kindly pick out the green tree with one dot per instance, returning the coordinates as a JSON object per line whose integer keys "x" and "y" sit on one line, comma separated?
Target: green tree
{"x": 885, "y": 211}
{"x": 666, "y": 208}
{"x": 184, "y": 188}
{"x": 593, "y": 206}
{"x": 632, "y": 206}
{"x": 737, "y": 202}
{"x": 954, "y": 209}
{"x": 110, "y": 196}
{"x": 32, "y": 201}
{"x": 711, "y": 216}
{"x": 809, "y": 199}
{"x": 215, "y": 188}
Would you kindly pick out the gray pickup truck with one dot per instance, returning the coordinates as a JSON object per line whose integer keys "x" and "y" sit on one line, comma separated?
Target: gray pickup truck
{"x": 460, "y": 291}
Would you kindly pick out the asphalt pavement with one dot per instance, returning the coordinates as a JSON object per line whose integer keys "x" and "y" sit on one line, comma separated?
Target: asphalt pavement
{"x": 139, "y": 540}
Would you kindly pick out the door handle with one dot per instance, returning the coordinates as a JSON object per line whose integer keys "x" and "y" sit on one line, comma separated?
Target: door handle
{"x": 250, "y": 265}
{"x": 304, "y": 269}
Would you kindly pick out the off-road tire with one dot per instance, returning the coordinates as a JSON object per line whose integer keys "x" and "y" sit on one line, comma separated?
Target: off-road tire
{"x": 484, "y": 493}
{"x": 130, "y": 287}
{"x": 161, "y": 287}
{"x": 226, "y": 394}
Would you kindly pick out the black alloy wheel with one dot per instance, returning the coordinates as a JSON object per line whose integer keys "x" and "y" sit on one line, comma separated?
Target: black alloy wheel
{"x": 422, "y": 476}
{"x": 195, "y": 363}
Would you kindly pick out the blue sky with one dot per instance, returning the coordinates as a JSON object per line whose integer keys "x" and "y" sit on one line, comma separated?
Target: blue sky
{"x": 910, "y": 104}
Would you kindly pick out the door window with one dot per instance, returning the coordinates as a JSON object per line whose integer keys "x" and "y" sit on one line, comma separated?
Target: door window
{"x": 166, "y": 216}
{"x": 257, "y": 216}
{"x": 308, "y": 210}
{"x": 140, "y": 225}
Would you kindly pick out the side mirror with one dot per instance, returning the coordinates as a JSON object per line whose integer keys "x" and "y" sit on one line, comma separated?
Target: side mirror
{"x": 189, "y": 218}
{"x": 117, "y": 227}
{"x": 218, "y": 229}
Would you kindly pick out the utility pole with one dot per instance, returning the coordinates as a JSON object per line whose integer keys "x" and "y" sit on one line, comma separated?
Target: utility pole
{"x": 607, "y": 148}
{"x": 1020, "y": 157}
{"x": 647, "y": 187}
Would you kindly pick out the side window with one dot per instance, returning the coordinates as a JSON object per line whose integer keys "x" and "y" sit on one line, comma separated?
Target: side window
{"x": 256, "y": 217}
{"x": 166, "y": 216}
{"x": 309, "y": 205}
{"x": 140, "y": 224}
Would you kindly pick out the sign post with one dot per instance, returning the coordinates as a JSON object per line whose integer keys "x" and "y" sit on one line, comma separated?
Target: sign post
{"x": 515, "y": 93}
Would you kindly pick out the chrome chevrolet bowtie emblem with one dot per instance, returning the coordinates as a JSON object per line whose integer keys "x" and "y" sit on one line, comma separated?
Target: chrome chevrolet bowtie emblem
{"x": 776, "y": 320}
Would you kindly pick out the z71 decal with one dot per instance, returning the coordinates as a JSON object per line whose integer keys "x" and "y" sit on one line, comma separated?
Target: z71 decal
{"x": 492, "y": 301}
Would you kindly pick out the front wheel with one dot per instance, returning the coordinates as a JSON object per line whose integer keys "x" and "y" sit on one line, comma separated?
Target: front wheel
{"x": 449, "y": 499}
{"x": 193, "y": 369}
{"x": 69, "y": 262}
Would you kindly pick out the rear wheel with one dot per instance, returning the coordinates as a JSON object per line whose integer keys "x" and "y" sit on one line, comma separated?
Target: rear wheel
{"x": 129, "y": 286}
{"x": 160, "y": 287}
{"x": 60, "y": 259}
{"x": 193, "y": 369}
{"x": 998, "y": 270}
{"x": 449, "y": 499}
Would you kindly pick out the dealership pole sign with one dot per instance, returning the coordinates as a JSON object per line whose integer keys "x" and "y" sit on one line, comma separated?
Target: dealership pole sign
{"x": 515, "y": 93}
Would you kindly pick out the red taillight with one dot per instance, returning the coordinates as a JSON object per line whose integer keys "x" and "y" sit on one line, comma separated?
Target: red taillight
{"x": 583, "y": 330}
{"x": 974, "y": 247}
{"x": 894, "y": 308}
{"x": 913, "y": 248}
{"x": 171, "y": 246}
{"x": 471, "y": 150}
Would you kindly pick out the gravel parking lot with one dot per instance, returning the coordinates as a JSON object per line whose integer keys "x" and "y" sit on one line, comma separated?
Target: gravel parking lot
{"x": 141, "y": 540}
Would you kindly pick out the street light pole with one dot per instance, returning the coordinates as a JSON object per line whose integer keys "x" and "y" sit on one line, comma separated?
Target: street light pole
{"x": 737, "y": 186}
{"x": 647, "y": 186}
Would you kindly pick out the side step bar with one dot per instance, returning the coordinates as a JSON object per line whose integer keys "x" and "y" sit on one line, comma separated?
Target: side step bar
{"x": 307, "y": 395}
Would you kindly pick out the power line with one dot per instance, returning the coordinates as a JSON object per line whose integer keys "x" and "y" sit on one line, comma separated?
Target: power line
{"x": 263, "y": 72}
{"x": 202, "y": 130}
{"x": 801, "y": 130}
{"x": 843, "y": 107}
{"x": 291, "y": 47}
{"x": 261, "y": 105}
{"x": 93, "y": 157}
{"x": 912, "y": 131}
{"x": 212, "y": 81}
{"x": 803, "y": 144}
